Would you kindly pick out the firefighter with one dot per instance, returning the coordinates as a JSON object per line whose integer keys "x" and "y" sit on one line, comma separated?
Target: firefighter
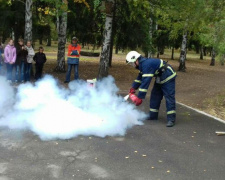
{"x": 164, "y": 85}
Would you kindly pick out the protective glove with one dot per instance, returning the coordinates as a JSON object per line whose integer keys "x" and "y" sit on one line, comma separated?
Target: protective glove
{"x": 137, "y": 101}
{"x": 132, "y": 91}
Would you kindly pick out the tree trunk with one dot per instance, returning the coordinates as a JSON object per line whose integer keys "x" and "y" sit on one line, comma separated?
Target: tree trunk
{"x": 40, "y": 41}
{"x": 13, "y": 35}
{"x": 150, "y": 35}
{"x": 213, "y": 57}
{"x": 201, "y": 53}
{"x": 49, "y": 41}
{"x": 183, "y": 53}
{"x": 205, "y": 51}
{"x": 172, "y": 56}
{"x": 197, "y": 49}
{"x": 105, "y": 54}
{"x": 158, "y": 52}
{"x": 62, "y": 27}
{"x": 112, "y": 35}
{"x": 222, "y": 59}
{"x": 117, "y": 49}
{"x": 28, "y": 21}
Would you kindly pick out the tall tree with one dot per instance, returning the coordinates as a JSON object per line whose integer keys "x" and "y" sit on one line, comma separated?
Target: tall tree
{"x": 61, "y": 28}
{"x": 183, "y": 52}
{"x": 28, "y": 20}
{"x": 105, "y": 54}
{"x": 213, "y": 57}
{"x": 182, "y": 17}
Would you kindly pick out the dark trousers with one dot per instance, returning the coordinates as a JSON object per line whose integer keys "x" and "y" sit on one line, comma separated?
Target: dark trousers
{"x": 168, "y": 91}
{"x": 9, "y": 71}
{"x": 38, "y": 72}
{"x": 68, "y": 73}
{"x": 19, "y": 76}
{"x": 27, "y": 71}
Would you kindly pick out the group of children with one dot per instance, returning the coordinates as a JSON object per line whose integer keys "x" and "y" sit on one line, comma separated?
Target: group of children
{"x": 20, "y": 58}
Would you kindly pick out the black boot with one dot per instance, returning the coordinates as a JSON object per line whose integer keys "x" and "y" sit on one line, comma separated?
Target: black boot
{"x": 151, "y": 119}
{"x": 170, "y": 124}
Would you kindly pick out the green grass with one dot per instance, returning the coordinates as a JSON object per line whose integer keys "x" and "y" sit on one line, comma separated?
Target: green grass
{"x": 191, "y": 55}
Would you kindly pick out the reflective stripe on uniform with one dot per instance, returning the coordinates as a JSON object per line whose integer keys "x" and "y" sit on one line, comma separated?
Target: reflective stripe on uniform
{"x": 170, "y": 69}
{"x": 161, "y": 65}
{"x": 143, "y": 90}
{"x": 76, "y": 56}
{"x": 137, "y": 81}
{"x": 167, "y": 79}
{"x": 154, "y": 110}
{"x": 147, "y": 75}
{"x": 171, "y": 112}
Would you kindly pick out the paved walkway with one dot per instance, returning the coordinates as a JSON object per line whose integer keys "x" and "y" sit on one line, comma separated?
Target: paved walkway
{"x": 190, "y": 150}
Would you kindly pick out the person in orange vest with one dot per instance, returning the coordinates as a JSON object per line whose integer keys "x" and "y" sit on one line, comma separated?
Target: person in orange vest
{"x": 73, "y": 59}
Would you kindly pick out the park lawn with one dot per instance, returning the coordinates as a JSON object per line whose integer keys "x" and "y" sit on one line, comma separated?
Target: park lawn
{"x": 201, "y": 86}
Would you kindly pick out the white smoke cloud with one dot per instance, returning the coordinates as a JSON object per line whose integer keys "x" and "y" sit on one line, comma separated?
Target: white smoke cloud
{"x": 53, "y": 112}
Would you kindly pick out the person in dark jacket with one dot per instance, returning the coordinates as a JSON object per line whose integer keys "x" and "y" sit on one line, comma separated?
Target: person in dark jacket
{"x": 164, "y": 85}
{"x": 40, "y": 59}
{"x": 21, "y": 59}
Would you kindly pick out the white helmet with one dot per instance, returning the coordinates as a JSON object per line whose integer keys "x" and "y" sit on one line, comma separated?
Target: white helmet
{"x": 132, "y": 56}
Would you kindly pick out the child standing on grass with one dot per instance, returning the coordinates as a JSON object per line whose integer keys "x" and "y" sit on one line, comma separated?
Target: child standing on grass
{"x": 30, "y": 56}
{"x": 21, "y": 60}
{"x": 40, "y": 59}
{"x": 10, "y": 58}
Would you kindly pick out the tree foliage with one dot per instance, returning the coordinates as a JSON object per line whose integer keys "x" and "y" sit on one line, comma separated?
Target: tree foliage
{"x": 167, "y": 20}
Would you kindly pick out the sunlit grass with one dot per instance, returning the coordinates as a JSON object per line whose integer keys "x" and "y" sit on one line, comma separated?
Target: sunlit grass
{"x": 51, "y": 52}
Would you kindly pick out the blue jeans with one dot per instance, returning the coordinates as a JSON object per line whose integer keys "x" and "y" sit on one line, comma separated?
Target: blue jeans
{"x": 76, "y": 74}
{"x": 9, "y": 71}
{"x": 27, "y": 71}
{"x": 20, "y": 72}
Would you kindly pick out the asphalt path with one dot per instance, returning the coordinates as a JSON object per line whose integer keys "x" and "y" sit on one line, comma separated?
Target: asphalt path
{"x": 189, "y": 150}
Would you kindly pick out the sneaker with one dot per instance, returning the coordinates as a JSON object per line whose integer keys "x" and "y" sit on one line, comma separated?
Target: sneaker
{"x": 66, "y": 82}
{"x": 170, "y": 124}
{"x": 22, "y": 81}
{"x": 9, "y": 81}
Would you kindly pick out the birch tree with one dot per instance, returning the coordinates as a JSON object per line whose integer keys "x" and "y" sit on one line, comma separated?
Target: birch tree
{"x": 183, "y": 53}
{"x": 182, "y": 16}
{"x": 61, "y": 29}
{"x": 105, "y": 53}
{"x": 28, "y": 20}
